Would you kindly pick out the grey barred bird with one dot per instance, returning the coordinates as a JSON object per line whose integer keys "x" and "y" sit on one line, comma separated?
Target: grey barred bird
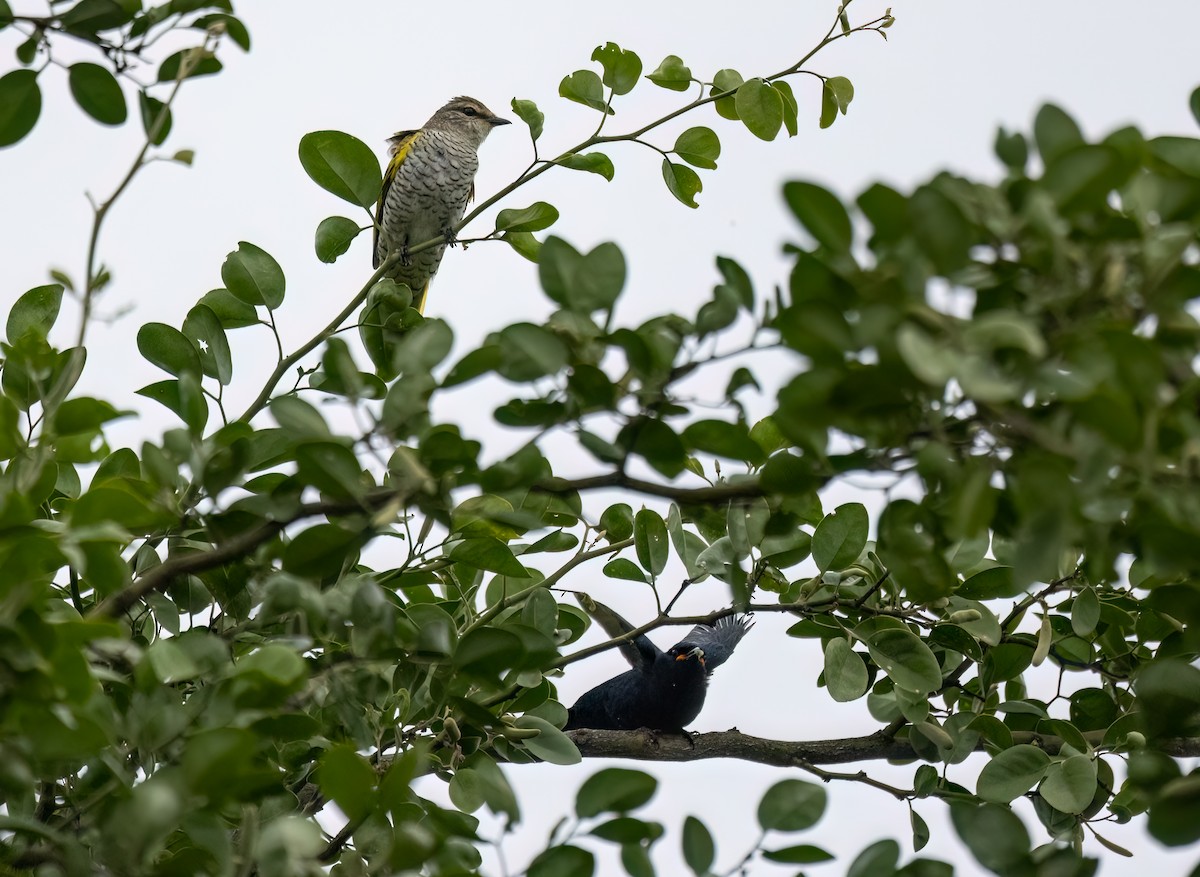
{"x": 428, "y": 183}
{"x": 665, "y": 690}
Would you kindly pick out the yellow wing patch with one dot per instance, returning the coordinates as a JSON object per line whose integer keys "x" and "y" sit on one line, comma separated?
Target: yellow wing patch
{"x": 402, "y": 142}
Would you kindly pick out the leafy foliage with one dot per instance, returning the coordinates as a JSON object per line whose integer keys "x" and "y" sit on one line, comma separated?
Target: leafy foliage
{"x": 209, "y": 651}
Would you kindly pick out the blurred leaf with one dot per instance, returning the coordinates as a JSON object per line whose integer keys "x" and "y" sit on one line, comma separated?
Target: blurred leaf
{"x": 822, "y": 214}
{"x": 791, "y": 805}
{"x": 614, "y": 790}
{"x": 20, "y": 105}
{"x": 98, "y": 93}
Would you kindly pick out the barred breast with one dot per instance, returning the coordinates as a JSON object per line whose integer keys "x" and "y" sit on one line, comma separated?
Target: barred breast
{"x": 427, "y": 198}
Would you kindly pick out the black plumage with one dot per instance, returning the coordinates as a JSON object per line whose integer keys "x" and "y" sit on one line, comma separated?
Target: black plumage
{"x": 665, "y": 690}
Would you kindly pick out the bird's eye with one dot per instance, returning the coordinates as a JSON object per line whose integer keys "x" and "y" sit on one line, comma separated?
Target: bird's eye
{"x": 470, "y": 111}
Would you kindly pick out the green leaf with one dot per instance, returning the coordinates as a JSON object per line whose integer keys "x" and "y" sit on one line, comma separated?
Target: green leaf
{"x": 348, "y": 779}
{"x": 842, "y": 90}
{"x": 829, "y": 106}
{"x": 877, "y": 860}
{"x": 488, "y": 552}
{"x": 98, "y": 93}
{"x": 683, "y": 182}
{"x": 623, "y": 568}
{"x": 535, "y": 217}
{"x": 727, "y": 80}
{"x": 729, "y": 440}
{"x": 1070, "y": 785}
{"x": 563, "y": 861}
{"x": 150, "y": 108}
{"x": 845, "y": 673}
{"x": 791, "y": 805}
{"x": 622, "y": 68}
{"x": 582, "y": 283}
{"x": 699, "y": 851}
{"x": 253, "y": 275}
{"x": 1012, "y": 773}
{"x": 760, "y": 108}
{"x": 34, "y": 312}
{"x": 20, "y": 105}
{"x": 194, "y": 61}
{"x": 994, "y": 835}
{"x": 298, "y": 417}
{"x": 528, "y": 113}
{"x": 801, "y": 854}
{"x": 627, "y": 830}
{"x": 334, "y": 236}
{"x": 699, "y": 147}
{"x": 904, "y": 657}
{"x": 671, "y": 74}
{"x": 207, "y": 335}
{"x": 1055, "y": 133}
{"x": 840, "y": 537}
{"x": 83, "y": 414}
{"x": 168, "y": 348}
{"x": 1085, "y": 613}
{"x": 331, "y": 467}
{"x": 592, "y": 162}
{"x": 182, "y": 396}
{"x": 1175, "y": 814}
{"x": 822, "y": 214}
{"x": 550, "y": 745}
{"x": 584, "y": 87}
{"x": 617, "y": 522}
{"x": 1012, "y": 149}
{"x": 343, "y": 165}
{"x": 614, "y": 790}
{"x": 1194, "y": 104}
{"x": 230, "y": 310}
{"x": 651, "y": 542}
{"x": 791, "y": 107}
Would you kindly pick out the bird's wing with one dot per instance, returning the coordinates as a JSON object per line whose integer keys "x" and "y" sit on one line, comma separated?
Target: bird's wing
{"x": 639, "y": 652}
{"x": 719, "y": 640}
{"x": 402, "y": 142}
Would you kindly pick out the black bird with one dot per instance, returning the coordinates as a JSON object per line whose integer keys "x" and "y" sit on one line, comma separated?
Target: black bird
{"x": 665, "y": 690}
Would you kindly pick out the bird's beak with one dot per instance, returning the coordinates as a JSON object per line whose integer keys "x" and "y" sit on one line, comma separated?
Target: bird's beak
{"x": 697, "y": 652}
{"x": 496, "y": 121}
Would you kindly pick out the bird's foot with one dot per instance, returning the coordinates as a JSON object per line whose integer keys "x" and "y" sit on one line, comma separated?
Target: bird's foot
{"x": 688, "y": 736}
{"x": 450, "y": 236}
{"x": 405, "y": 258}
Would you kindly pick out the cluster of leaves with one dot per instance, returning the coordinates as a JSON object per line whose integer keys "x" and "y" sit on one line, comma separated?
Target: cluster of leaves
{"x": 122, "y": 32}
{"x": 203, "y": 636}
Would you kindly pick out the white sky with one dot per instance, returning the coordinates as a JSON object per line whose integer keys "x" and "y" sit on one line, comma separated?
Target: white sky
{"x": 928, "y": 99}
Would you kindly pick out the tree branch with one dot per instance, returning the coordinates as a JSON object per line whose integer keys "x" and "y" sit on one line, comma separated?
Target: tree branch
{"x": 714, "y": 494}
{"x": 647, "y": 745}
{"x": 234, "y": 548}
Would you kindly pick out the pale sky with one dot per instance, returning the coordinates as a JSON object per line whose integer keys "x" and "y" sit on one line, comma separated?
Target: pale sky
{"x": 928, "y": 99}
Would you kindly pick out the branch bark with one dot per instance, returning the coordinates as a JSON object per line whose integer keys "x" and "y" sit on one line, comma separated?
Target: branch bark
{"x": 646, "y": 745}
